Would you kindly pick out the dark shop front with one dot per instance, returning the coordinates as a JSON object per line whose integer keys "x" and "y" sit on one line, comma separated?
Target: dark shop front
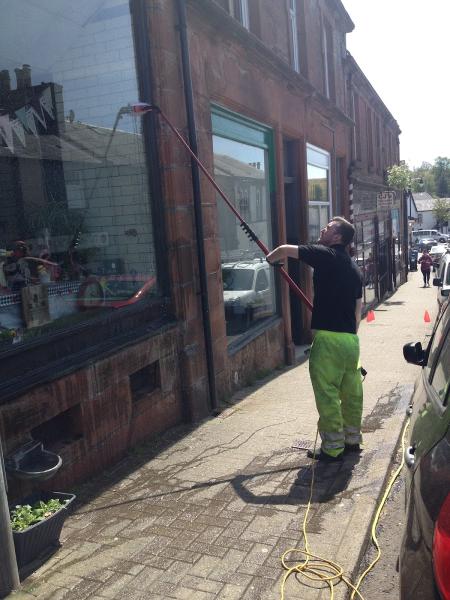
{"x": 86, "y": 341}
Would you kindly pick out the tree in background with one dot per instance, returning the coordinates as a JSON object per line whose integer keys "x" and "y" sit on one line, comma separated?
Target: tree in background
{"x": 436, "y": 177}
{"x": 424, "y": 172}
{"x": 441, "y": 211}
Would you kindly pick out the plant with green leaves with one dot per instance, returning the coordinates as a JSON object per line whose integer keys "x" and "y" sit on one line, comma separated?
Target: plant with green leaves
{"x": 26, "y": 515}
{"x": 399, "y": 177}
{"x": 441, "y": 210}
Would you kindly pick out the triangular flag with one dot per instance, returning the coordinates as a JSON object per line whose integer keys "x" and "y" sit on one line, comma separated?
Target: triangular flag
{"x": 37, "y": 113}
{"x": 6, "y": 132}
{"x": 31, "y": 123}
{"x": 426, "y": 317}
{"x": 21, "y": 114}
{"x": 18, "y": 129}
{"x": 46, "y": 102}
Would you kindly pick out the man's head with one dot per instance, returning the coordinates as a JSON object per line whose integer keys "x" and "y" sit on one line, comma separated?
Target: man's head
{"x": 338, "y": 231}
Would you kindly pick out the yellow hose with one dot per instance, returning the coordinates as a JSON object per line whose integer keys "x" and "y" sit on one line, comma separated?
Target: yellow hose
{"x": 317, "y": 568}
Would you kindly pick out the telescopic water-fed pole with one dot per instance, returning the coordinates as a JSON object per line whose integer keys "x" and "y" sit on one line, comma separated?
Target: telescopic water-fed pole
{"x": 141, "y": 108}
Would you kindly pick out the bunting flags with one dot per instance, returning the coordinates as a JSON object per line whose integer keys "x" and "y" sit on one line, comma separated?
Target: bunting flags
{"x": 31, "y": 123}
{"x": 18, "y": 129}
{"x": 46, "y": 102}
{"x": 6, "y": 132}
{"x": 27, "y": 118}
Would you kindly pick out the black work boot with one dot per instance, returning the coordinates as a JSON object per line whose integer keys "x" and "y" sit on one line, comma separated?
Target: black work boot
{"x": 352, "y": 448}
{"x": 323, "y": 456}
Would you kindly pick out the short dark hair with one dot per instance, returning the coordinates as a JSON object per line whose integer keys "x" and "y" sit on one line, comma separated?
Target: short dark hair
{"x": 346, "y": 229}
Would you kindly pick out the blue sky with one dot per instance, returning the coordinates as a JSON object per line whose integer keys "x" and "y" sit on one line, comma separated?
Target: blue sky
{"x": 403, "y": 48}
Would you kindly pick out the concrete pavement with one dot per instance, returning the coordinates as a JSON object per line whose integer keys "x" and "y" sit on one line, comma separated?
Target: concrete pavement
{"x": 205, "y": 512}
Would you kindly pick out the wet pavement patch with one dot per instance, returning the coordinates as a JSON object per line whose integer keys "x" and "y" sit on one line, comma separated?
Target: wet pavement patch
{"x": 385, "y": 407}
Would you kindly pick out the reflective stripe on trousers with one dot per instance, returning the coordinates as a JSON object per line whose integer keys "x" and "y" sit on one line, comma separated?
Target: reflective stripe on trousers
{"x": 336, "y": 378}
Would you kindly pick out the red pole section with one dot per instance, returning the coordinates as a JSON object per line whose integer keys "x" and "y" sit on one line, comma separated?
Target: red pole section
{"x": 142, "y": 108}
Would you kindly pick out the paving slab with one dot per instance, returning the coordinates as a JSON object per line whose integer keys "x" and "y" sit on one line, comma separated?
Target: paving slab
{"x": 206, "y": 511}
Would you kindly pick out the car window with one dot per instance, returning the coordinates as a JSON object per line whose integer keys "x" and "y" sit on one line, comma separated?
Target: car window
{"x": 237, "y": 279}
{"x": 262, "y": 283}
{"x": 447, "y": 276}
{"x": 441, "y": 376}
{"x": 435, "y": 345}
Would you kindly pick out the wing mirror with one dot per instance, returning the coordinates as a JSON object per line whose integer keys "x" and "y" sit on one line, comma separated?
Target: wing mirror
{"x": 445, "y": 292}
{"x": 437, "y": 281}
{"x": 414, "y": 353}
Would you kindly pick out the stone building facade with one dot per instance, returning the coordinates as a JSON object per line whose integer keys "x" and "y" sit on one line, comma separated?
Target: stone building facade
{"x": 131, "y": 299}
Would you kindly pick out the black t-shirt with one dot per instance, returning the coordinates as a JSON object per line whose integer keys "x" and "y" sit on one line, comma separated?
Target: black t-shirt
{"x": 337, "y": 286}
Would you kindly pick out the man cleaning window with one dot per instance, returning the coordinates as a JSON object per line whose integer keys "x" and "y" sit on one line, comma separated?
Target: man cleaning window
{"x": 334, "y": 359}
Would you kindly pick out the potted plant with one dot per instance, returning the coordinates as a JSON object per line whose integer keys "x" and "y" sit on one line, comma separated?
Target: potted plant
{"x": 37, "y": 524}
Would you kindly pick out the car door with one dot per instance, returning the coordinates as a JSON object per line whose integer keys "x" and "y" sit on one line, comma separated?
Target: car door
{"x": 262, "y": 305}
{"x": 430, "y": 418}
{"x": 428, "y": 460}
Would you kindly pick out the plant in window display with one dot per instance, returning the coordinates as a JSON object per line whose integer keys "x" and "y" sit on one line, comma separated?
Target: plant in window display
{"x": 7, "y": 336}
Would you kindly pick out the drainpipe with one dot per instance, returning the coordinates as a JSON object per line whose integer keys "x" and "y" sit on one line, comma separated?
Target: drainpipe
{"x": 9, "y": 574}
{"x": 195, "y": 174}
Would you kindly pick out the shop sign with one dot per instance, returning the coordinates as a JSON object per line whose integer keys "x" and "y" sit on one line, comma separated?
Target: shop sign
{"x": 364, "y": 201}
{"x": 386, "y": 201}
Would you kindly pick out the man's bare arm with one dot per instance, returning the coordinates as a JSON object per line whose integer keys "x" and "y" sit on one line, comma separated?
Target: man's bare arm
{"x": 282, "y": 252}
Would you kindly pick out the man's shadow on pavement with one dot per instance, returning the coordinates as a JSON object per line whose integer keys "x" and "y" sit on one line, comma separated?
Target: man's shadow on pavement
{"x": 330, "y": 479}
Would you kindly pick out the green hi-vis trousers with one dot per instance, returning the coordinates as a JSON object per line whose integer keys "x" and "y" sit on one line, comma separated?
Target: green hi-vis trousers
{"x": 336, "y": 378}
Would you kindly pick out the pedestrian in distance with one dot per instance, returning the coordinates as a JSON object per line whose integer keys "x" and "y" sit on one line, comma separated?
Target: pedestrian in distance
{"x": 426, "y": 262}
{"x": 334, "y": 358}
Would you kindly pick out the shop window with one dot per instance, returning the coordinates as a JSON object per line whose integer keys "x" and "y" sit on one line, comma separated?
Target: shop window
{"x": 365, "y": 257}
{"x": 318, "y": 171}
{"x": 244, "y": 171}
{"x": 77, "y": 237}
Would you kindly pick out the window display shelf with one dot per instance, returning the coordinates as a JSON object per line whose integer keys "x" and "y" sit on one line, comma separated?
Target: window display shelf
{"x": 54, "y": 289}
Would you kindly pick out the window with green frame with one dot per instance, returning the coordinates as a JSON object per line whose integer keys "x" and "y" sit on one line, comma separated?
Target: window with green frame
{"x": 244, "y": 169}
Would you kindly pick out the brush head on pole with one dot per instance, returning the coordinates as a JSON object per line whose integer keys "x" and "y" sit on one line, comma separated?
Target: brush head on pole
{"x": 141, "y": 108}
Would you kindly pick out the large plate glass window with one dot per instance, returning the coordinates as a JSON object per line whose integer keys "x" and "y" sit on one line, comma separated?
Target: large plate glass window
{"x": 365, "y": 257}
{"x": 318, "y": 170}
{"x": 243, "y": 169}
{"x": 76, "y": 236}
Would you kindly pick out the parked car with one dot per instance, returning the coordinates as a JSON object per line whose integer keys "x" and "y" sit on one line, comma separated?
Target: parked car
{"x": 436, "y": 253}
{"x": 433, "y": 234}
{"x": 422, "y": 243}
{"x": 114, "y": 291}
{"x": 247, "y": 292}
{"x": 425, "y": 549}
{"x": 442, "y": 281}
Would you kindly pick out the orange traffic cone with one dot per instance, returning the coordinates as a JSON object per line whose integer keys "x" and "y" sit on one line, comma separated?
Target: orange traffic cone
{"x": 426, "y": 317}
{"x": 370, "y": 316}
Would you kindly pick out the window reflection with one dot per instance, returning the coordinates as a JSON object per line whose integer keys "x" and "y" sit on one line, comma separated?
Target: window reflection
{"x": 75, "y": 224}
{"x": 318, "y": 170}
{"x": 317, "y": 184}
{"x": 241, "y": 171}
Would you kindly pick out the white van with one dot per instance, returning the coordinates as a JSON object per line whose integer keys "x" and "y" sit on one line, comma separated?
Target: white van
{"x": 442, "y": 281}
{"x": 429, "y": 234}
